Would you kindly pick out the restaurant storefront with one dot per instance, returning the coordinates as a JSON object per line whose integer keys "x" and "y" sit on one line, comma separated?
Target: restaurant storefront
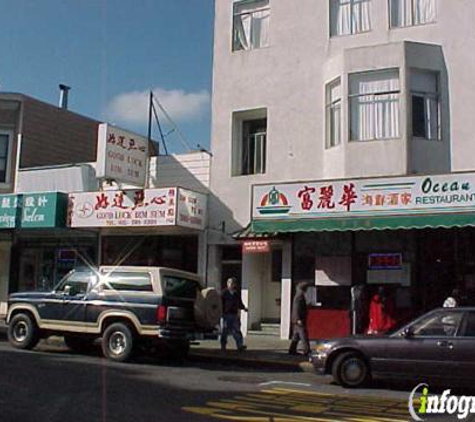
{"x": 151, "y": 227}
{"x": 413, "y": 235}
{"x": 36, "y": 247}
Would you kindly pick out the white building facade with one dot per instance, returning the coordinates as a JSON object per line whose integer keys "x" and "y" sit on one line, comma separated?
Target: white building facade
{"x": 320, "y": 90}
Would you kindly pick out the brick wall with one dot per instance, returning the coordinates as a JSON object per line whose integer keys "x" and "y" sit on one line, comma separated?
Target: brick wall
{"x": 53, "y": 136}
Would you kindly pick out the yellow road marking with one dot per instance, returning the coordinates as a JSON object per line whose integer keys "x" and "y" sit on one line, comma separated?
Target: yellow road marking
{"x": 286, "y": 405}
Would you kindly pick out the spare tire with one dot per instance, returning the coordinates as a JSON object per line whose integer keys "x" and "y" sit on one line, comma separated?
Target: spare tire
{"x": 208, "y": 308}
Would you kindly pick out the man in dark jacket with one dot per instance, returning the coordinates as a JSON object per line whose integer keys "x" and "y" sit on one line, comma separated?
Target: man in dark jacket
{"x": 299, "y": 320}
{"x": 232, "y": 304}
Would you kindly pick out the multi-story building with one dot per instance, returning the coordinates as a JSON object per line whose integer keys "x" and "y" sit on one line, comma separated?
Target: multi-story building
{"x": 58, "y": 210}
{"x": 312, "y": 99}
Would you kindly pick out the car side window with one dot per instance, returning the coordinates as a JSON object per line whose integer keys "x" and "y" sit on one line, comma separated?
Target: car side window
{"x": 469, "y": 330}
{"x": 76, "y": 283}
{"x": 128, "y": 282}
{"x": 439, "y": 324}
{"x": 179, "y": 287}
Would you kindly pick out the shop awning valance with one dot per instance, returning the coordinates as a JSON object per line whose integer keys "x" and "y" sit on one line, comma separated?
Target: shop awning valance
{"x": 247, "y": 233}
{"x": 400, "y": 222}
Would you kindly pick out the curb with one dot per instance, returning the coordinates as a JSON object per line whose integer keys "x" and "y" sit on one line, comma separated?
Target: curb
{"x": 240, "y": 360}
{"x": 251, "y": 362}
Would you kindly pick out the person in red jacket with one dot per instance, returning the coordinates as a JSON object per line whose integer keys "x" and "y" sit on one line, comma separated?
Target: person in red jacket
{"x": 381, "y": 313}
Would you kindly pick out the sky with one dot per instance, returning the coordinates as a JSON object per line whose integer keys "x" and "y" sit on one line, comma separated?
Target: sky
{"x": 112, "y": 53}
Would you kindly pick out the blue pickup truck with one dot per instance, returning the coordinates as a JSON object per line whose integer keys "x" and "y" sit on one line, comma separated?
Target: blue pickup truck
{"x": 125, "y": 307}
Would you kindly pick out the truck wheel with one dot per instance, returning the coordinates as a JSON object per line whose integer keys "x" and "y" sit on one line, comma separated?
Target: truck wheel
{"x": 23, "y": 332}
{"x": 350, "y": 370}
{"x": 78, "y": 344}
{"x": 117, "y": 342}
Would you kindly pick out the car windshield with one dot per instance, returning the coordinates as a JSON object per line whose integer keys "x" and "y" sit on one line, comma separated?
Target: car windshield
{"x": 77, "y": 280}
{"x": 440, "y": 323}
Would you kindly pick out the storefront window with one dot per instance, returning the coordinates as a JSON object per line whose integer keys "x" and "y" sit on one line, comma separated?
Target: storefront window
{"x": 42, "y": 266}
{"x": 179, "y": 252}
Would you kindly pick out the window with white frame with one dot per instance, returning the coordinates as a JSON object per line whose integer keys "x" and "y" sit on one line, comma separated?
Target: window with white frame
{"x": 4, "y": 156}
{"x": 249, "y": 143}
{"x": 333, "y": 113}
{"x": 349, "y": 17}
{"x": 251, "y": 24}
{"x": 374, "y": 105}
{"x": 425, "y": 105}
{"x": 412, "y": 12}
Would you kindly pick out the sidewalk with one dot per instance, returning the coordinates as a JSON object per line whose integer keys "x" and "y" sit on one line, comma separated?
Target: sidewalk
{"x": 263, "y": 351}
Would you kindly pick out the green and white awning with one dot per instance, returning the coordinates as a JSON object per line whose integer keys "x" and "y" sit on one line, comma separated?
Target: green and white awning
{"x": 399, "y": 222}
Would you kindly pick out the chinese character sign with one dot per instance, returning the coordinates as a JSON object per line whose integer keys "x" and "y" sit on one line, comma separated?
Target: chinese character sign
{"x": 43, "y": 209}
{"x": 138, "y": 208}
{"x": 191, "y": 209}
{"x": 122, "y": 155}
{"x": 8, "y": 211}
{"x": 365, "y": 197}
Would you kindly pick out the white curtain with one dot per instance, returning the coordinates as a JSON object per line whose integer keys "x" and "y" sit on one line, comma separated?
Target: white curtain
{"x": 361, "y": 16}
{"x": 242, "y": 32}
{"x": 374, "y": 110}
{"x": 350, "y": 16}
{"x": 340, "y": 17}
{"x": 424, "y": 11}
{"x": 412, "y": 12}
{"x": 401, "y": 13}
{"x": 251, "y": 24}
{"x": 260, "y": 28}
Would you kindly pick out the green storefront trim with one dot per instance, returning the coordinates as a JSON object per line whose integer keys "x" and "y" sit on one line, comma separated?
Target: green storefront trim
{"x": 401, "y": 222}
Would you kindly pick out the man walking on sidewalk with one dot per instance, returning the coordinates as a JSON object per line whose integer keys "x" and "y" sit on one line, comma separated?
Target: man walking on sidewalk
{"x": 299, "y": 321}
{"x": 232, "y": 304}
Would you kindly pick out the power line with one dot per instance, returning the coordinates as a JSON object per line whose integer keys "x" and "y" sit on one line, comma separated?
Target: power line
{"x": 174, "y": 125}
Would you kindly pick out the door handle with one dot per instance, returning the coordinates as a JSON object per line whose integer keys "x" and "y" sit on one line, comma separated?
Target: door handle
{"x": 444, "y": 343}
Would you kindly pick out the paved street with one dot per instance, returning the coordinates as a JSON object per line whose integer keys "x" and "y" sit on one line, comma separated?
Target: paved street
{"x": 53, "y": 384}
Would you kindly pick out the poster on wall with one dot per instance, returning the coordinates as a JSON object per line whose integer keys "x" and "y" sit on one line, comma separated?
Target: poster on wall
{"x": 122, "y": 155}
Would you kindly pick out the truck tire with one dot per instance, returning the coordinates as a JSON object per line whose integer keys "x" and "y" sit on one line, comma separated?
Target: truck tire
{"x": 23, "y": 332}
{"x": 117, "y": 342}
{"x": 208, "y": 308}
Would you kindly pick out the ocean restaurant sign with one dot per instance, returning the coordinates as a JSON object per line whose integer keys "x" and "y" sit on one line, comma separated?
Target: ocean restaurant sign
{"x": 365, "y": 197}
{"x": 138, "y": 208}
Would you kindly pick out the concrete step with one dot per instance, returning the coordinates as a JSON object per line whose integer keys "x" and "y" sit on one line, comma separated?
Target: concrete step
{"x": 267, "y": 329}
{"x": 270, "y": 328}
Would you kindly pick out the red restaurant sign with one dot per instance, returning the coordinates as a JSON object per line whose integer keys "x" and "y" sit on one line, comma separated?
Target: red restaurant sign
{"x": 255, "y": 246}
